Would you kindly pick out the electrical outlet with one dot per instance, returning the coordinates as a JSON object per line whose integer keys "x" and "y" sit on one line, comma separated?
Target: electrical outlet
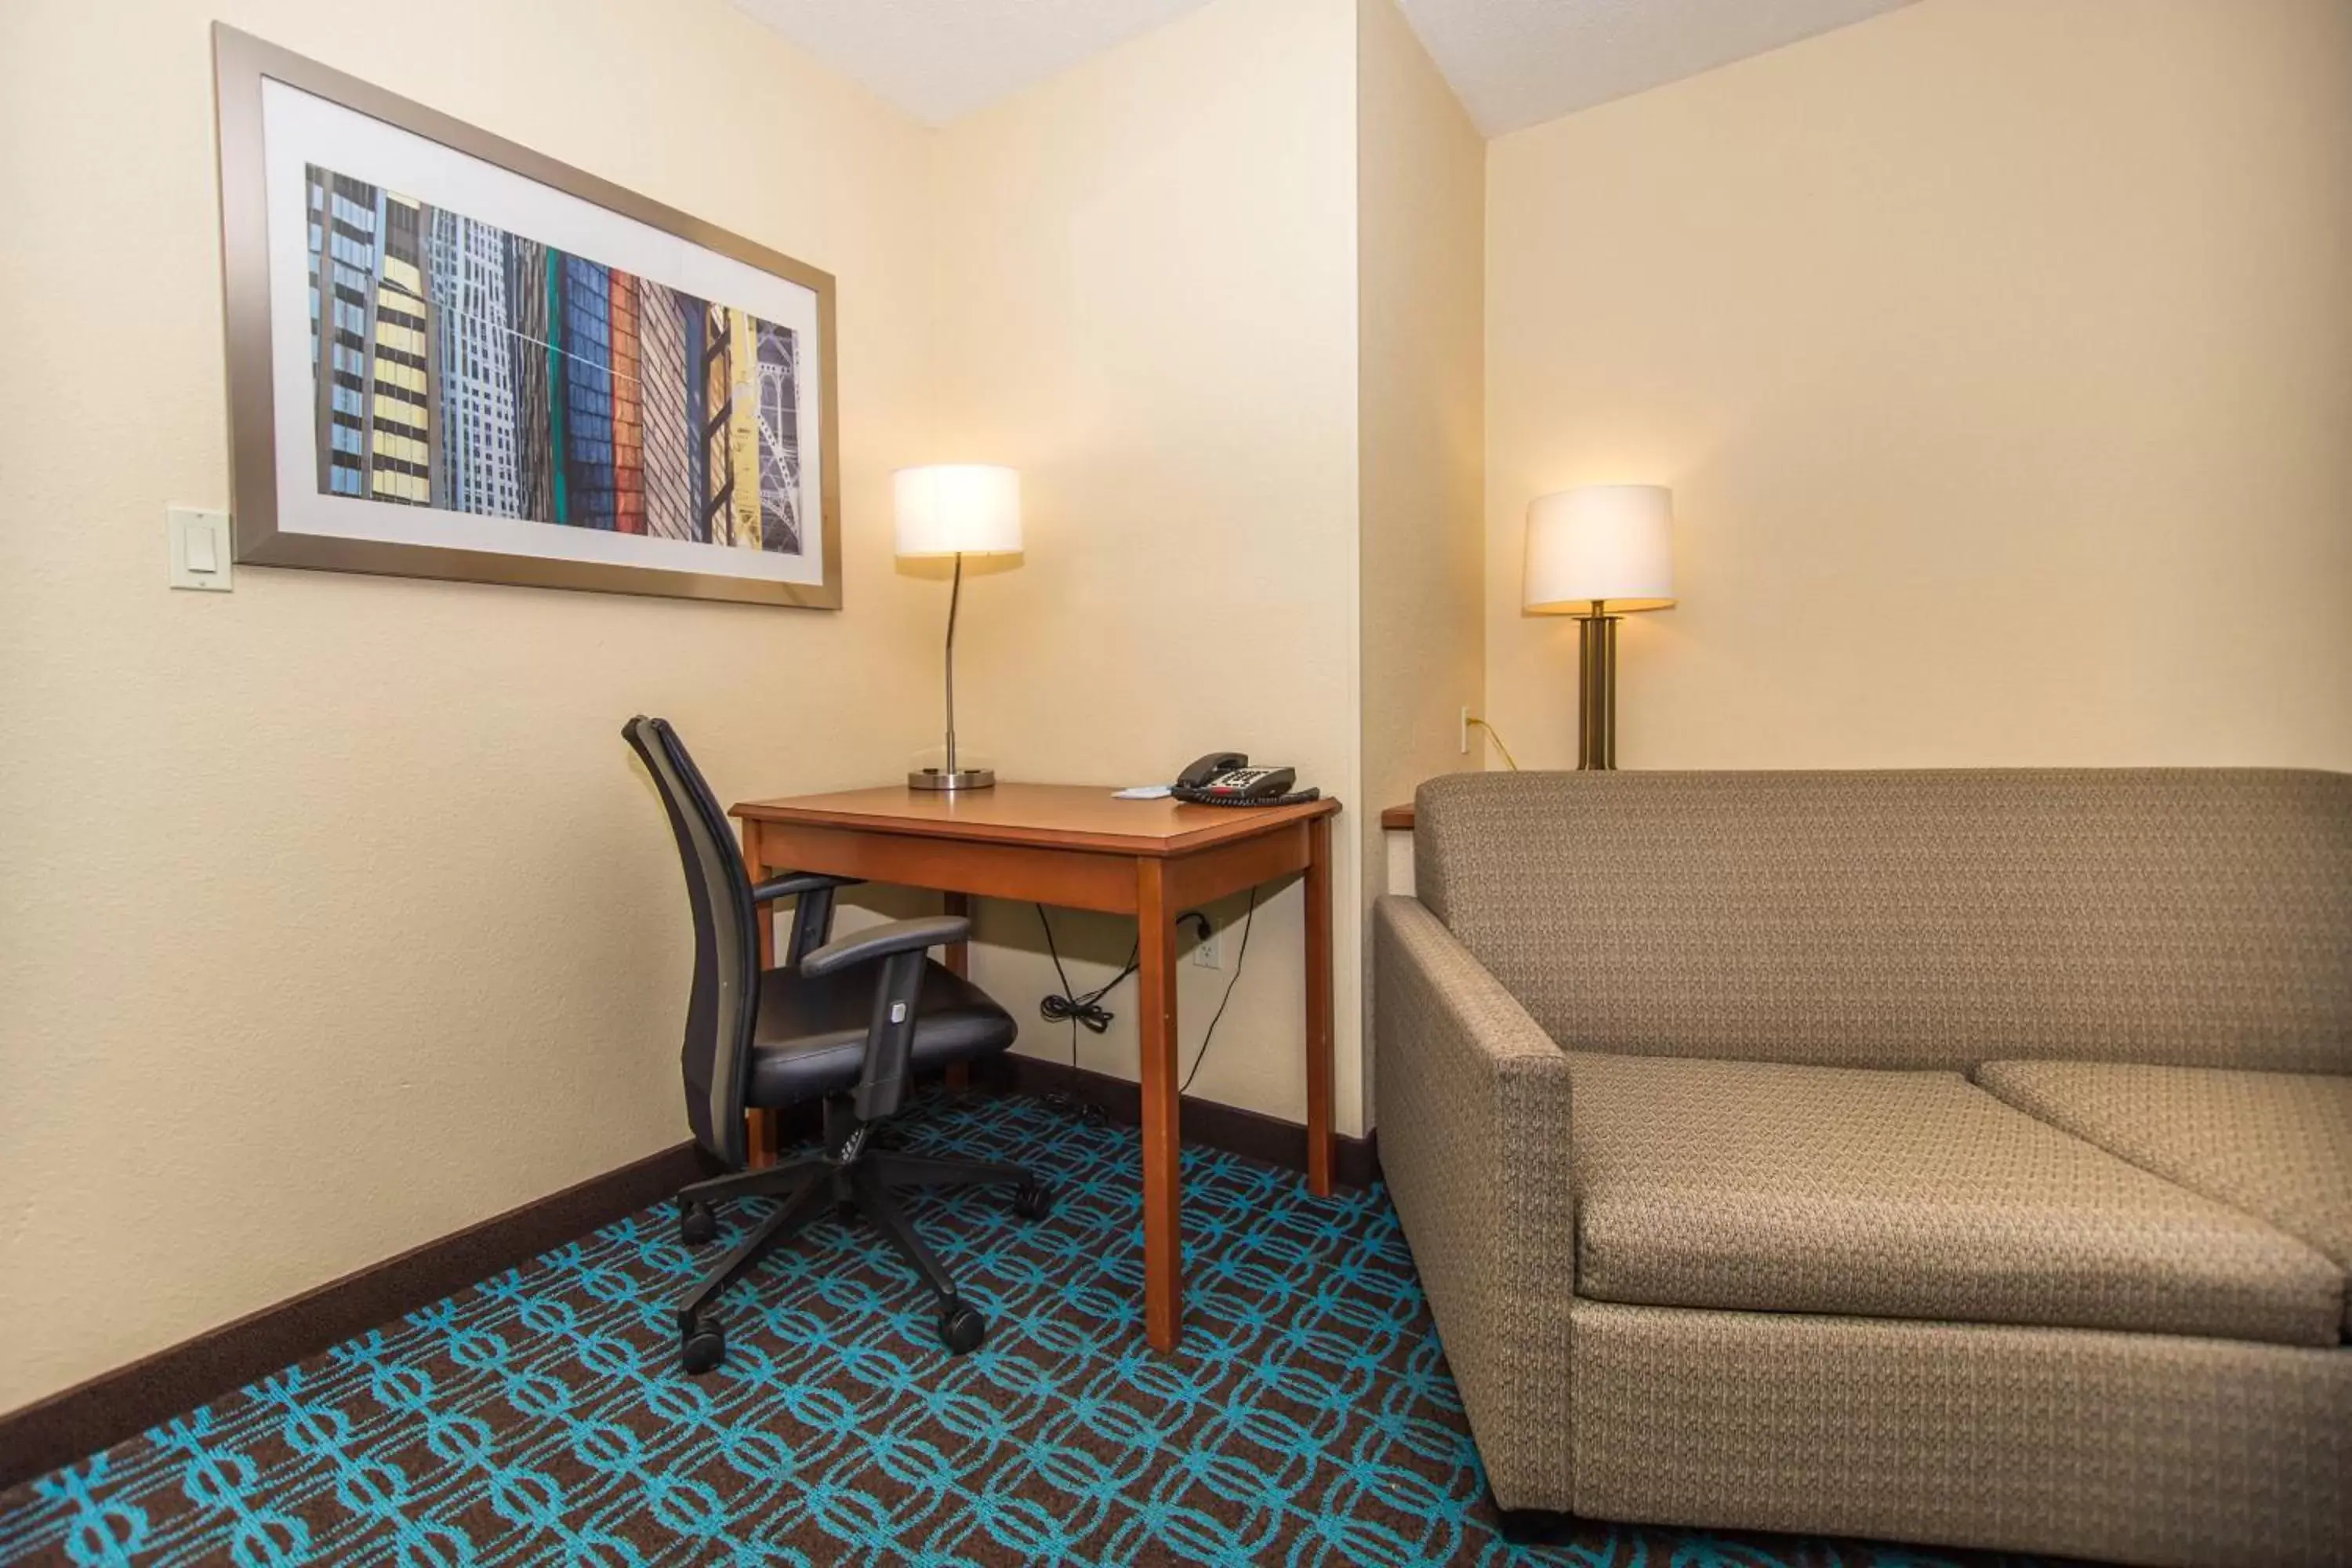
{"x": 1204, "y": 952}
{"x": 1464, "y": 739}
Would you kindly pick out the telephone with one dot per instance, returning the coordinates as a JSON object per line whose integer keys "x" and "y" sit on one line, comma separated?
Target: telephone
{"x": 1226, "y": 778}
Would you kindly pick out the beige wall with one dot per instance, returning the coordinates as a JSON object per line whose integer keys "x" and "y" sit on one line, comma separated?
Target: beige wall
{"x": 1147, "y": 303}
{"x": 1999, "y": 354}
{"x": 1420, "y": 241}
{"x": 338, "y": 915}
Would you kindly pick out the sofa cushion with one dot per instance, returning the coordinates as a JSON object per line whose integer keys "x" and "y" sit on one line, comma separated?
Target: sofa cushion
{"x": 2275, "y": 1144}
{"x": 2200, "y": 917}
{"x": 1776, "y": 1187}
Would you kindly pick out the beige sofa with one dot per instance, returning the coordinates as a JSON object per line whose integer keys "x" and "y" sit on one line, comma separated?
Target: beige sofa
{"x": 1955, "y": 1157}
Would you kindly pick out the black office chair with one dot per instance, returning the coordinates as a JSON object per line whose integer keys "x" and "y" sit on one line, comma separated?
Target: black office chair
{"x": 847, "y": 1022}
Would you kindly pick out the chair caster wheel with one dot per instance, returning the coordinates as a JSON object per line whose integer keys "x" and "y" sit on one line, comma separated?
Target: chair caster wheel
{"x": 1034, "y": 1200}
{"x": 701, "y": 1348}
{"x": 960, "y": 1327}
{"x": 695, "y": 1223}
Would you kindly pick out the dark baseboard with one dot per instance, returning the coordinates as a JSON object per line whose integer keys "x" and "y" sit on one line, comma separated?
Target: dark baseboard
{"x": 121, "y": 1403}
{"x": 1249, "y": 1133}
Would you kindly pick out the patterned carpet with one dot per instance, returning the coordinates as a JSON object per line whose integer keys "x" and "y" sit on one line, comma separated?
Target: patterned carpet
{"x": 539, "y": 1418}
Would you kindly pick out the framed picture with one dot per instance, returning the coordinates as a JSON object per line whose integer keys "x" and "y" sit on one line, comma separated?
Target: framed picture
{"x": 449, "y": 356}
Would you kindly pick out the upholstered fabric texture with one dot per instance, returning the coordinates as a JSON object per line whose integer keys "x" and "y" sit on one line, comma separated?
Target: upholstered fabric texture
{"x": 1904, "y": 1195}
{"x": 1473, "y": 1108}
{"x": 1915, "y": 919}
{"x": 2122, "y": 1448}
{"x": 2274, "y": 1144}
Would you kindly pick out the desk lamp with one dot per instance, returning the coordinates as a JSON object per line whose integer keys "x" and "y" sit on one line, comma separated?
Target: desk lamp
{"x": 1598, "y": 553}
{"x": 959, "y": 510}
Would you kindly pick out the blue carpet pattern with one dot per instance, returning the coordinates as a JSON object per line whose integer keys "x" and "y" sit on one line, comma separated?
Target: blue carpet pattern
{"x": 540, "y": 1416}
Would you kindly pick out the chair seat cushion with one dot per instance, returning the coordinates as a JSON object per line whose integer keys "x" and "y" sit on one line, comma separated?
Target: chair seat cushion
{"x": 2275, "y": 1144}
{"x": 810, "y": 1038}
{"x": 1774, "y": 1187}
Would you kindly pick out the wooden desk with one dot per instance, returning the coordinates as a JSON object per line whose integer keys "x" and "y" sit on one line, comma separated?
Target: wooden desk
{"x": 1079, "y": 846}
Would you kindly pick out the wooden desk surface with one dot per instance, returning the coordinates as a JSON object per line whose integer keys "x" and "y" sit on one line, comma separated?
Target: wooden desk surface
{"x": 1081, "y": 847}
{"x": 1056, "y": 816}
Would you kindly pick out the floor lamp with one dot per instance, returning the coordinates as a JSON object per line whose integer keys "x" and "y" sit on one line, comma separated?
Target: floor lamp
{"x": 1598, "y": 553}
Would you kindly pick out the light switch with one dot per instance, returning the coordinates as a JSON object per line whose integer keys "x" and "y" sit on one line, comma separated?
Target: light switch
{"x": 200, "y": 552}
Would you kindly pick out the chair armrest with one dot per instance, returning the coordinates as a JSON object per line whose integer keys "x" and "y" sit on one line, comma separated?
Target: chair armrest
{"x": 792, "y": 884}
{"x": 1472, "y": 1103}
{"x": 882, "y": 940}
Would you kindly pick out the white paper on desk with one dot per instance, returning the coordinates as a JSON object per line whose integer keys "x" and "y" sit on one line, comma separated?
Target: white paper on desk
{"x": 1143, "y": 792}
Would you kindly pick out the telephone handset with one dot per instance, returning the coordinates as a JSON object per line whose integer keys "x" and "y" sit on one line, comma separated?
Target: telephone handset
{"x": 1209, "y": 767}
{"x": 1226, "y": 778}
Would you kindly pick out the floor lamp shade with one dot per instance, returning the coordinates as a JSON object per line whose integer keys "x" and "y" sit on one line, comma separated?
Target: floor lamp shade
{"x": 1609, "y": 544}
{"x": 1598, "y": 553}
{"x": 958, "y": 509}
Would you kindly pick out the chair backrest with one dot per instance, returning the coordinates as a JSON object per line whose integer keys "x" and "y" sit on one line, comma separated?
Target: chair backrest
{"x": 2194, "y": 916}
{"x": 724, "y": 1003}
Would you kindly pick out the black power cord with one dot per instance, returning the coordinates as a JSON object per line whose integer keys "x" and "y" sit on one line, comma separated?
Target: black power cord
{"x": 1241, "y": 955}
{"x": 1087, "y": 1009}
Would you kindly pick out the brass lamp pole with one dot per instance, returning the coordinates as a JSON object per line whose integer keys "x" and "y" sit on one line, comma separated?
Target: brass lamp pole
{"x": 1596, "y": 688}
{"x": 1598, "y": 554}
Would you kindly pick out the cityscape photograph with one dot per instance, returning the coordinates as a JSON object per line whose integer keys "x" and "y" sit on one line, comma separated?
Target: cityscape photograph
{"x": 460, "y": 366}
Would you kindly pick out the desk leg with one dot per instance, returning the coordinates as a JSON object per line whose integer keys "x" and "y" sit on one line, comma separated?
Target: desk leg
{"x": 1163, "y": 1231}
{"x": 1318, "y": 1008}
{"x": 759, "y": 1126}
{"x": 959, "y": 1075}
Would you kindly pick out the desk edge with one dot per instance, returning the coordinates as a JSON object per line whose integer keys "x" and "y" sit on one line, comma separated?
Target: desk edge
{"x": 1253, "y": 821}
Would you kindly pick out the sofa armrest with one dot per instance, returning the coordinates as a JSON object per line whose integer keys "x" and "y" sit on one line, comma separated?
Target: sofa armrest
{"x": 1471, "y": 1107}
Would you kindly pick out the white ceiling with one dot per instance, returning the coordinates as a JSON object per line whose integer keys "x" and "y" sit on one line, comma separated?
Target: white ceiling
{"x": 939, "y": 59}
{"x": 1512, "y": 63}
{"x": 1516, "y": 63}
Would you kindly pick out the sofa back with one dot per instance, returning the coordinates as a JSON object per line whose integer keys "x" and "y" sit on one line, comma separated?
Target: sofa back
{"x": 2199, "y": 917}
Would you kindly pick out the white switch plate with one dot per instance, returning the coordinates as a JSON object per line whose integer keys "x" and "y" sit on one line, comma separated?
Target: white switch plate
{"x": 1204, "y": 952}
{"x": 198, "y": 535}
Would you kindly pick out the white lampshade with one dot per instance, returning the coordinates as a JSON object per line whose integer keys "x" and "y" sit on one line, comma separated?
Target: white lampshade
{"x": 959, "y": 509}
{"x": 1609, "y": 542}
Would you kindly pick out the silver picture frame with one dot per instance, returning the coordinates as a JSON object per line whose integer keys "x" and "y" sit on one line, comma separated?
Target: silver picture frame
{"x": 262, "y": 523}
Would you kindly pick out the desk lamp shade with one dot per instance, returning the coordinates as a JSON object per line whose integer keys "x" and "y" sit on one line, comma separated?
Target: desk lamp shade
{"x": 1599, "y": 550}
{"x": 959, "y": 509}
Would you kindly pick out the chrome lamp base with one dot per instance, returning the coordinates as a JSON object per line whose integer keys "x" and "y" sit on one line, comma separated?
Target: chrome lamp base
{"x": 951, "y": 778}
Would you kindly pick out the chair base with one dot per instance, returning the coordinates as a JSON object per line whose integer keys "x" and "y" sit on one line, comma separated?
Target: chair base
{"x": 852, "y": 1179}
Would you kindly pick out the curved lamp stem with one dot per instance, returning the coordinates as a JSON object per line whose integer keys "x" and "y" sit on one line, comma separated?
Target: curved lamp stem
{"x": 953, "y": 775}
{"x": 955, "y": 599}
